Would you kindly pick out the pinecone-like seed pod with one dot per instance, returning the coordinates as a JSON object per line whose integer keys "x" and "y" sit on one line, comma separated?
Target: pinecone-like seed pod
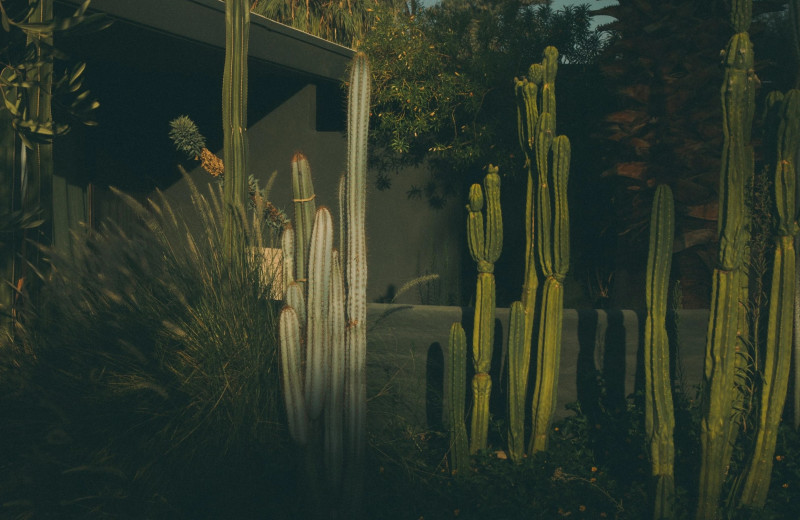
{"x": 211, "y": 163}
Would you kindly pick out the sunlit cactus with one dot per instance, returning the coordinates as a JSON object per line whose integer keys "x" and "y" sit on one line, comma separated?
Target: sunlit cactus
{"x": 777, "y": 362}
{"x": 485, "y": 245}
{"x": 552, "y": 160}
{"x": 455, "y": 388}
{"x": 659, "y": 412}
{"x": 738, "y": 102}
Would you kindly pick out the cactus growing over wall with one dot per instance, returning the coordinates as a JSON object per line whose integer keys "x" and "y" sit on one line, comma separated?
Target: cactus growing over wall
{"x": 659, "y": 413}
{"x": 552, "y": 158}
{"x": 775, "y": 378}
{"x": 485, "y": 244}
{"x": 737, "y": 94}
{"x": 234, "y": 111}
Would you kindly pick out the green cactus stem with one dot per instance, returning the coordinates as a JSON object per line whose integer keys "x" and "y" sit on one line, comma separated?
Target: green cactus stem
{"x": 455, "y": 387}
{"x": 485, "y": 245}
{"x": 292, "y": 375}
{"x": 358, "y": 106}
{"x": 552, "y": 219}
{"x": 305, "y": 207}
{"x": 659, "y": 412}
{"x": 234, "y": 113}
{"x": 519, "y": 360}
{"x": 318, "y": 355}
{"x": 775, "y": 379}
{"x": 717, "y": 433}
{"x": 334, "y": 408}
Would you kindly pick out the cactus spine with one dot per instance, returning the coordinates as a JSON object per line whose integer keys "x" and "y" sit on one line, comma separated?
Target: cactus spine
{"x": 659, "y": 413}
{"x": 552, "y": 158}
{"x": 234, "y": 112}
{"x": 485, "y": 244}
{"x": 519, "y": 359}
{"x": 737, "y": 95}
{"x": 455, "y": 386}
{"x": 775, "y": 378}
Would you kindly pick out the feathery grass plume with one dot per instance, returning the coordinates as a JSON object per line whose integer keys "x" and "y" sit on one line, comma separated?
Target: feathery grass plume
{"x": 186, "y": 136}
{"x": 153, "y": 357}
{"x": 415, "y": 282}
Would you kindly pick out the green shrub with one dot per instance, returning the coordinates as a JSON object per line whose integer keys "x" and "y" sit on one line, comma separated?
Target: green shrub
{"x": 146, "y": 379}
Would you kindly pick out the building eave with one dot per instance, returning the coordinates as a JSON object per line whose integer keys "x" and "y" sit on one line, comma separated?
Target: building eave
{"x": 203, "y": 21}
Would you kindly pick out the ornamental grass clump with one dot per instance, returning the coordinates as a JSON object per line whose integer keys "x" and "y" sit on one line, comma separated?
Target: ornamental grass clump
{"x": 147, "y": 378}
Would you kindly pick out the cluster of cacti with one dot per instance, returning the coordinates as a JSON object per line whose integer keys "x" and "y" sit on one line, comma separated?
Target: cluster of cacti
{"x": 485, "y": 241}
{"x": 738, "y": 100}
{"x": 659, "y": 413}
{"x": 550, "y": 221}
{"x": 322, "y": 327}
{"x": 546, "y": 255}
{"x": 775, "y": 376}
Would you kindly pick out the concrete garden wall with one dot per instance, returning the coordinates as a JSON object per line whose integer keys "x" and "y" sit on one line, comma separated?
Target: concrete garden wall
{"x": 407, "y": 353}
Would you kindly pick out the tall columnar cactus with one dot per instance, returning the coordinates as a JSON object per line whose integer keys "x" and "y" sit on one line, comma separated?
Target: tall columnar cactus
{"x": 737, "y": 94}
{"x": 358, "y": 105}
{"x": 519, "y": 359}
{"x": 527, "y": 92}
{"x": 485, "y": 244}
{"x": 234, "y": 112}
{"x": 775, "y": 378}
{"x": 552, "y": 158}
{"x": 659, "y": 413}
{"x": 455, "y": 388}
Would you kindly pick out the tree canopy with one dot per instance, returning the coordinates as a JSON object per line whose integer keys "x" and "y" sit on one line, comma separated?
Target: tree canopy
{"x": 443, "y": 83}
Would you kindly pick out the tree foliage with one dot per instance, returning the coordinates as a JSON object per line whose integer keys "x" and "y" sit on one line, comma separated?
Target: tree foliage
{"x": 341, "y": 21}
{"x": 443, "y": 83}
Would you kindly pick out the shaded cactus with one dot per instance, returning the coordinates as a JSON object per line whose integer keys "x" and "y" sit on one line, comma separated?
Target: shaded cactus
{"x": 485, "y": 244}
{"x": 519, "y": 360}
{"x": 775, "y": 378}
{"x": 738, "y": 101}
{"x": 234, "y": 111}
{"x": 659, "y": 412}
{"x": 455, "y": 388}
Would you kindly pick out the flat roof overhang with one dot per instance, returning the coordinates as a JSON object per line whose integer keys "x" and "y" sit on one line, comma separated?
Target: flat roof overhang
{"x": 203, "y": 21}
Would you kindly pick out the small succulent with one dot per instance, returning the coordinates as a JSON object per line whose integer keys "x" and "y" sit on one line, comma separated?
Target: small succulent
{"x": 186, "y": 136}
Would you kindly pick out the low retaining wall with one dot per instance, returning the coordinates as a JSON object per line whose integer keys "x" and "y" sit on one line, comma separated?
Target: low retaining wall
{"x": 407, "y": 353}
